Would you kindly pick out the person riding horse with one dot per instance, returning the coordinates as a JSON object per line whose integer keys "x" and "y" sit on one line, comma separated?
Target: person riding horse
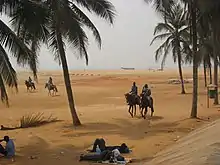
{"x": 146, "y": 92}
{"x": 134, "y": 89}
{"x": 30, "y": 80}
{"x": 50, "y": 82}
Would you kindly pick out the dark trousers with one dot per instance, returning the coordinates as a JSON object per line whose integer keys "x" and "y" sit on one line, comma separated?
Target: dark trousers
{"x": 100, "y": 143}
{"x": 2, "y": 150}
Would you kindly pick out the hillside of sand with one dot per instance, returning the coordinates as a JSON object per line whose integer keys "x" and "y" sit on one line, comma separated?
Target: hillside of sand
{"x": 201, "y": 147}
{"x": 100, "y": 103}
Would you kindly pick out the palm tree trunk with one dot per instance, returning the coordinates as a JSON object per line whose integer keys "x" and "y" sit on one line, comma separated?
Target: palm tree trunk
{"x": 4, "y": 96}
{"x": 215, "y": 63}
{"x": 210, "y": 72}
{"x": 204, "y": 69}
{"x": 180, "y": 70}
{"x": 76, "y": 121}
{"x": 193, "y": 8}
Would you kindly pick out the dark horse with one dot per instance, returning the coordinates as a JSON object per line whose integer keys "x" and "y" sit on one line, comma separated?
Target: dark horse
{"x": 132, "y": 101}
{"x": 51, "y": 88}
{"x": 30, "y": 85}
{"x": 146, "y": 101}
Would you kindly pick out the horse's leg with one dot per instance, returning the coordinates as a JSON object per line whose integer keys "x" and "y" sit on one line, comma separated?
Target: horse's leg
{"x": 129, "y": 110}
{"x": 152, "y": 107}
{"x": 134, "y": 109}
{"x": 145, "y": 112}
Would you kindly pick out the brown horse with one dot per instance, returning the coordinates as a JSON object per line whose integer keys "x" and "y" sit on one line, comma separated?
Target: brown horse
{"x": 30, "y": 85}
{"x": 52, "y": 88}
{"x": 132, "y": 101}
{"x": 146, "y": 101}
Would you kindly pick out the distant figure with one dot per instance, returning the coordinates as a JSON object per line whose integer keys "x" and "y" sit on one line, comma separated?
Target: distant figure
{"x": 50, "y": 81}
{"x": 146, "y": 101}
{"x": 146, "y": 91}
{"x": 30, "y": 80}
{"x": 134, "y": 89}
{"x": 9, "y": 150}
{"x": 51, "y": 87}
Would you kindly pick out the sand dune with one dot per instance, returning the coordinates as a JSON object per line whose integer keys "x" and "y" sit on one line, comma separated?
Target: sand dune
{"x": 200, "y": 147}
{"x": 100, "y": 103}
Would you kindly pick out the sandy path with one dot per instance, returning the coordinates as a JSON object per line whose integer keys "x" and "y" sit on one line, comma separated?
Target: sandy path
{"x": 102, "y": 110}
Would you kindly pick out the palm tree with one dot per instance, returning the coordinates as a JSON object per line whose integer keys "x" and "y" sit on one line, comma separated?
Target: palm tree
{"x": 210, "y": 10}
{"x": 175, "y": 34}
{"x": 191, "y": 5}
{"x": 15, "y": 47}
{"x": 58, "y": 21}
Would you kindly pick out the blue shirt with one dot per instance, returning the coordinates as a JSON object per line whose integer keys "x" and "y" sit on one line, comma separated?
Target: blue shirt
{"x": 10, "y": 148}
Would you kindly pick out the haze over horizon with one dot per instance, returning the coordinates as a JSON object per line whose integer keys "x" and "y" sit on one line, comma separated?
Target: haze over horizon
{"x": 125, "y": 44}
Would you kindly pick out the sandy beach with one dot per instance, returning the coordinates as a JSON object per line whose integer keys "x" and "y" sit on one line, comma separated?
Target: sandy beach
{"x": 100, "y": 103}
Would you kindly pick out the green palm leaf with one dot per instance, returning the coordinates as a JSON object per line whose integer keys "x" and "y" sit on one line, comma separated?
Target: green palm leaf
{"x": 101, "y": 8}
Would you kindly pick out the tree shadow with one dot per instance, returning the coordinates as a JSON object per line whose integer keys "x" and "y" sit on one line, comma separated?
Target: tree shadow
{"x": 39, "y": 151}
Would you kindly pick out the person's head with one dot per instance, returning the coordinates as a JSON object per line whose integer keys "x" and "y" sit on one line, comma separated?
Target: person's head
{"x": 6, "y": 138}
{"x": 134, "y": 83}
{"x": 146, "y": 86}
{"x": 29, "y": 77}
{"x": 50, "y": 78}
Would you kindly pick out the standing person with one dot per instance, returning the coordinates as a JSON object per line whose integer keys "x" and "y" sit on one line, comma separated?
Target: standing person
{"x": 9, "y": 150}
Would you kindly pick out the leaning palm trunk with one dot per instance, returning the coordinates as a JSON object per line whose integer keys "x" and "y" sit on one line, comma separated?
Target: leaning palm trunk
{"x": 193, "y": 7}
{"x": 180, "y": 70}
{"x": 3, "y": 92}
{"x": 205, "y": 71}
{"x": 75, "y": 118}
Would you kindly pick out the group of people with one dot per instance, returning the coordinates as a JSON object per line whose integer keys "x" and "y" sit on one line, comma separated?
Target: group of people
{"x": 101, "y": 152}
{"x": 9, "y": 150}
{"x": 145, "y": 90}
{"x": 50, "y": 81}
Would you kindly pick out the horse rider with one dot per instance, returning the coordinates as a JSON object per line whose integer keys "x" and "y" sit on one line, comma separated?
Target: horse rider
{"x": 146, "y": 91}
{"x": 134, "y": 89}
{"x": 50, "y": 81}
{"x": 30, "y": 80}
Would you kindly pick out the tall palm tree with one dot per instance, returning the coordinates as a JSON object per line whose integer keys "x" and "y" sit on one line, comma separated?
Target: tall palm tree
{"x": 192, "y": 7}
{"x": 58, "y": 21}
{"x": 211, "y": 10}
{"x": 175, "y": 34}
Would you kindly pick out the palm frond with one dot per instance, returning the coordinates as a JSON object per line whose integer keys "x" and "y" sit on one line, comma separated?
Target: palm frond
{"x": 161, "y": 37}
{"x": 86, "y": 21}
{"x": 6, "y": 70}
{"x": 73, "y": 31}
{"x": 101, "y": 8}
{"x": 162, "y": 48}
{"x": 163, "y": 27}
{"x": 15, "y": 46}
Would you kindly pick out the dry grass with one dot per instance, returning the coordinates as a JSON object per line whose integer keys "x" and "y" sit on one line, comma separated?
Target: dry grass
{"x": 34, "y": 120}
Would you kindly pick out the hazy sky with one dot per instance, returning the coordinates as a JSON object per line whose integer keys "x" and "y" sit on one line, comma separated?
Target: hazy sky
{"x": 126, "y": 43}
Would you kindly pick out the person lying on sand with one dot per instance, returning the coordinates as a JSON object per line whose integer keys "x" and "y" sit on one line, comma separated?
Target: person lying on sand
{"x": 111, "y": 156}
{"x": 9, "y": 150}
{"x": 123, "y": 148}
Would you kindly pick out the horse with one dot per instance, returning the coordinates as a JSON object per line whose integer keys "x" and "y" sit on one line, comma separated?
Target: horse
{"x": 51, "y": 88}
{"x": 30, "y": 85}
{"x": 146, "y": 101}
{"x": 132, "y": 101}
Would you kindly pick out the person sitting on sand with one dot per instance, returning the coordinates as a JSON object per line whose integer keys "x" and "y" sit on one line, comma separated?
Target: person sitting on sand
{"x": 9, "y": 150}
